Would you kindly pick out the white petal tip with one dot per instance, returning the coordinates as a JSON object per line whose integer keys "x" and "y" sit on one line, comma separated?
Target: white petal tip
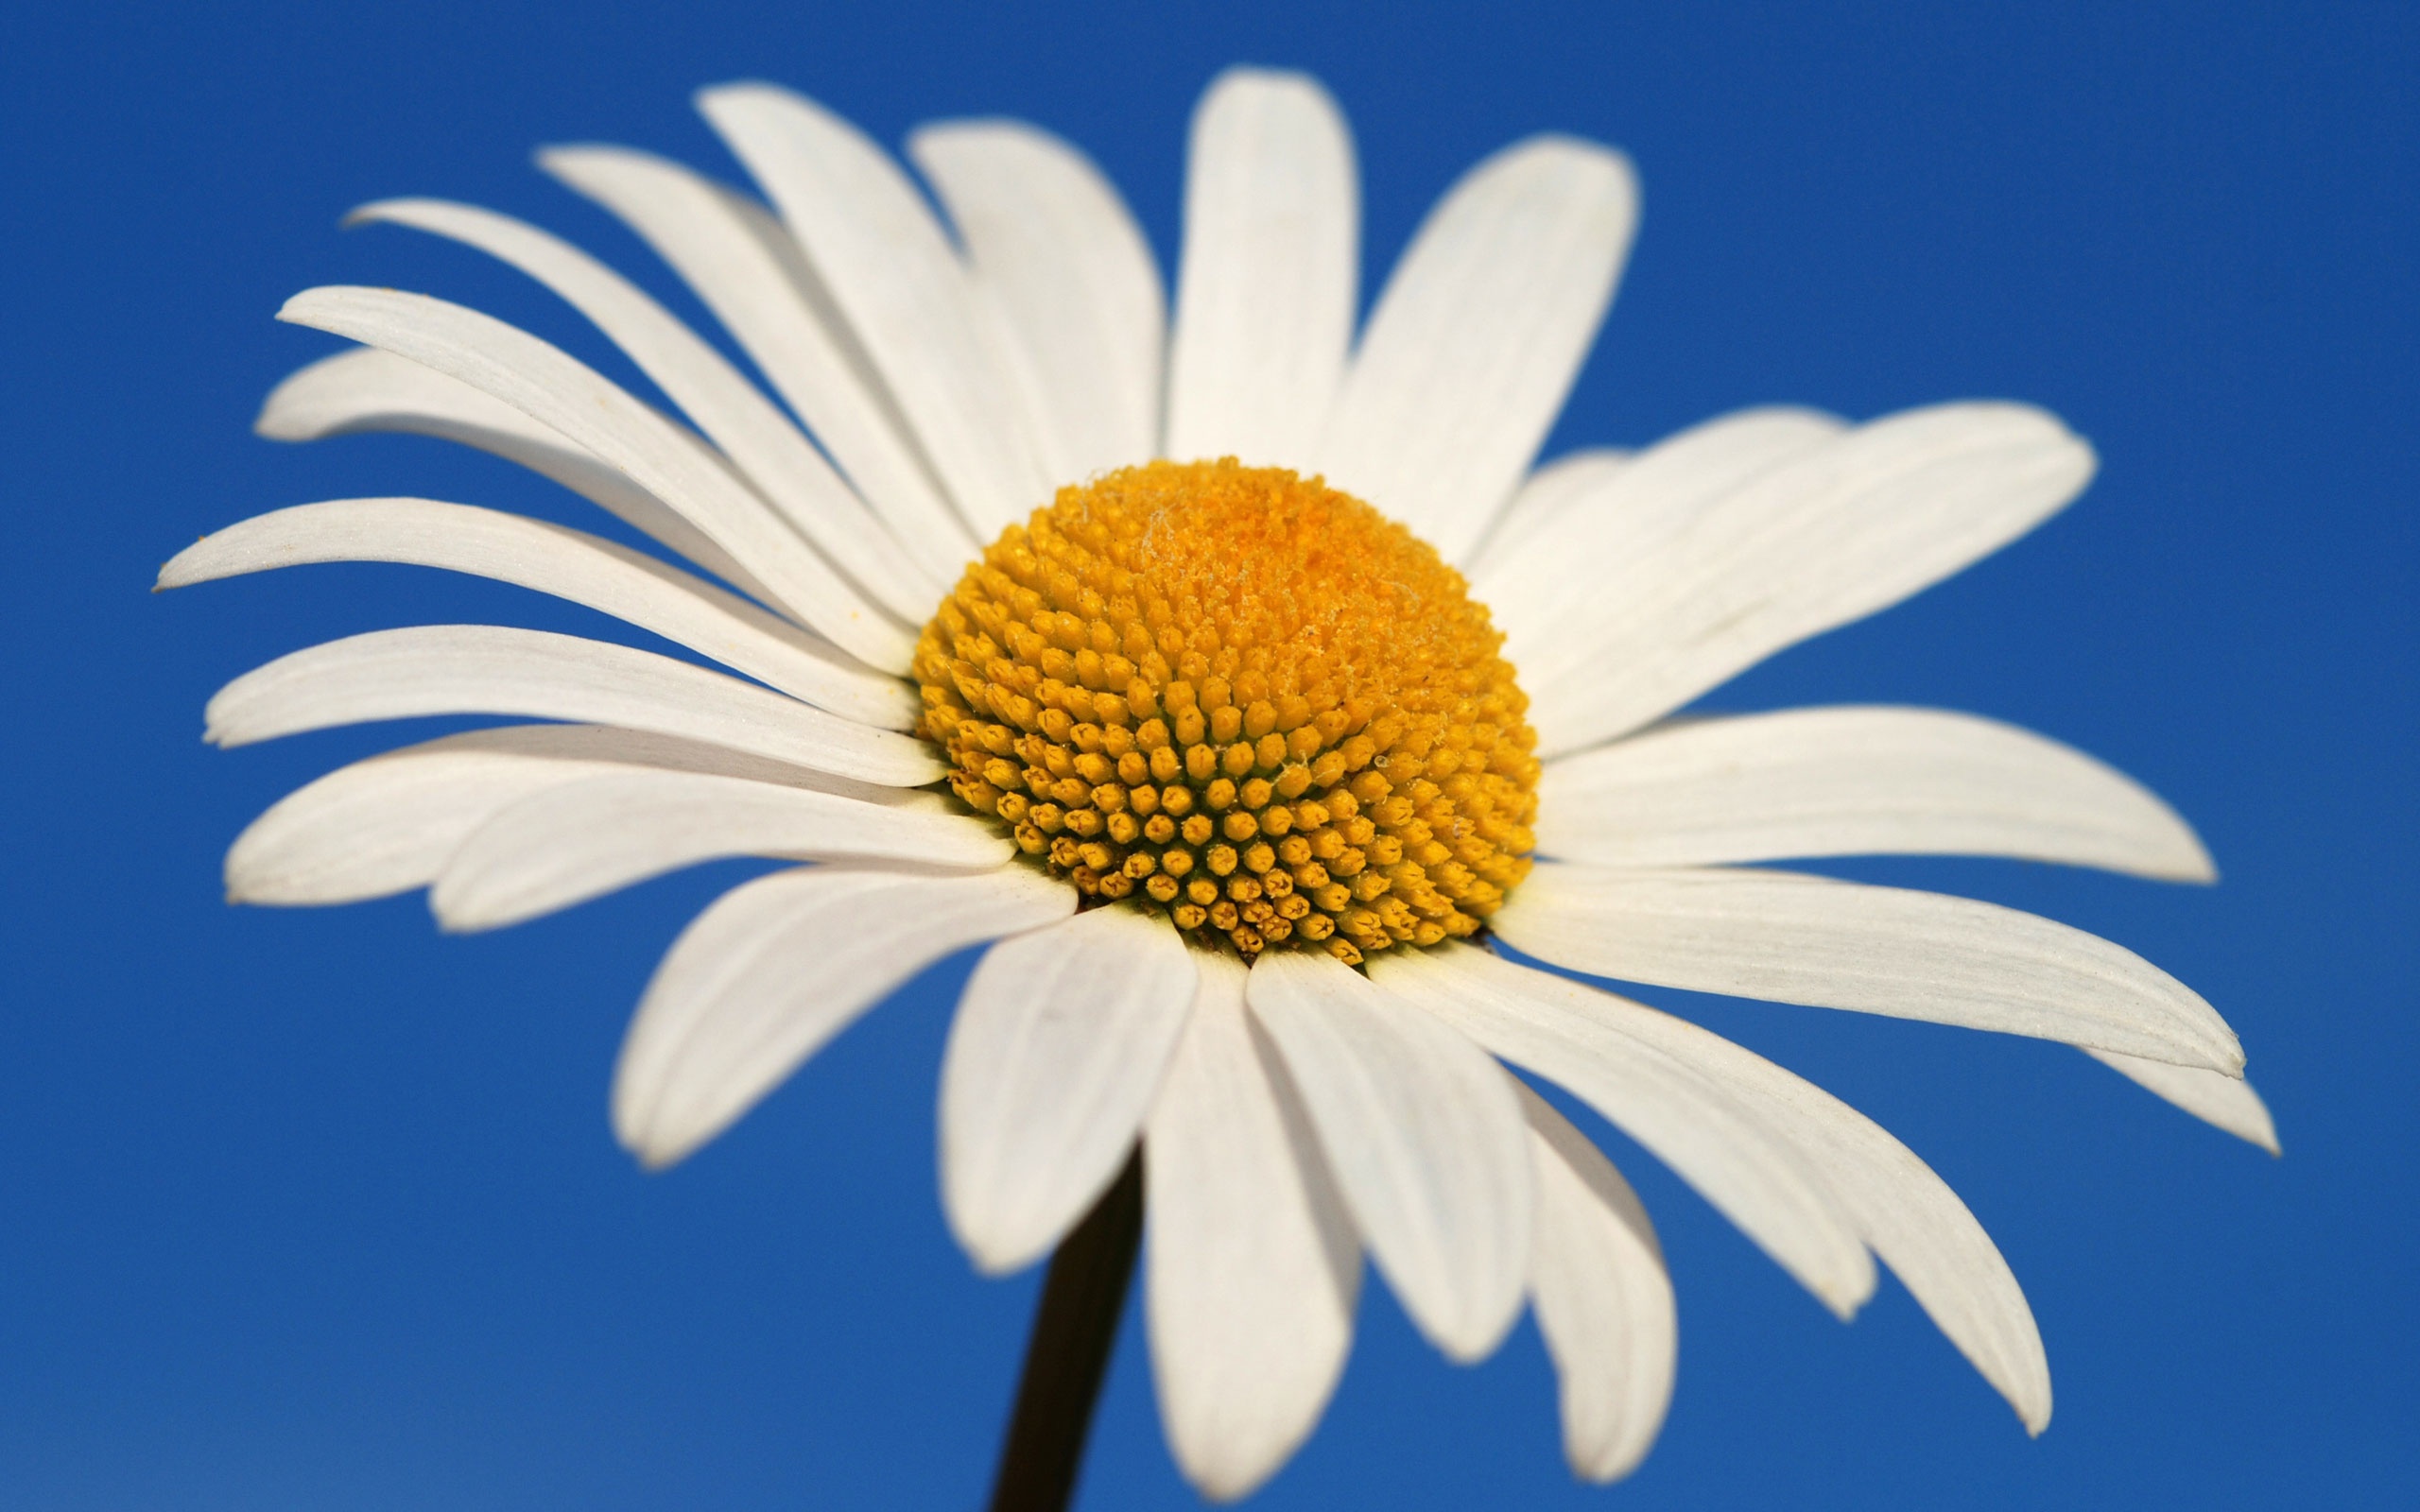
{"x": 178, "y": 572}
{"x": 714, "y": 100}
{"x": 1610, "y": 160}
{"x": 1228, "y": 1484}
{"x": 993, "y": 1260}
{"x": 1467, "y": 1352}
{"x": 169, "y": 575}
{"x": 992, "y": 1241}
{"x": 651, "y": 1148}
{"x": 652, "y": 1161}
{"x": 1844, "y": 1297}
{"x": 2091, "y": 466}
{"x": 2029, "y": 1400}
{"x": 1221, "y": 1493}
{"x": 456, "y": 915}
{"x": 1471, "y": 1343}
{"x": 1605, "y": 1471}
{"x": 1271, "y": 78}
{"x": 2251, "y": 1123}
{"x": 277, "y": 421}
{"x": 2189, "y": 859}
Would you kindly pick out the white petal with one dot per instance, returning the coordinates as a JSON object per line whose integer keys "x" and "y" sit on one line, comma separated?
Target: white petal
{"x": 1613, "y": 529}
{"x": 759, "y": 980}
{"x": 1057, "y": 1048}
{"x": 759, "y": 440}
{"x": 553, "y": 387}
{"x": 1737, "y": 1160}
{"x": 1425, "y": 1140}
{"x": 1908, "y": 1215}
{"x": 584, "y": 839}
{"x": 1265, "y": 289}
{"x": 367, "y": 389}
{"x": 1856, "y": 782}
{"x": 1794, "y": 939}
{"x": 1603, "y": 1300}
{"x": 1057, "y": 254}
{"x": 1847, "y": 529}
{"x": 1478, "y": 336}
{"x": 2224, "y": 1102}
{"x": 746, "y": 269}
{"x": 1567, "y": 482}
{"x": 1252, "y": 1266}
{"x": 893, "y": 275}
{"x": 489, "y": 669}
{"x": 566, "y": 563}
{"x": 388, "y": 824}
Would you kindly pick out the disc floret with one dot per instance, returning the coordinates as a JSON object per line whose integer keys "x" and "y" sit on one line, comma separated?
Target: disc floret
{"x": 1243, "y": 698}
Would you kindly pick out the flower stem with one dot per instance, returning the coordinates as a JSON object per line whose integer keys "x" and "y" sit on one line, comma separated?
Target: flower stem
{"x": 1068, "y": 1353}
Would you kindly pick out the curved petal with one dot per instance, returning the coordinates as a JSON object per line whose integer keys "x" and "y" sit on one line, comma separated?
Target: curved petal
{"x": 549, "y": 558}
{"x": 2222, "y": 1102}
{"x": 489, "y": 669}
{"x": 1478, "y": 336}
{"x": 386, "y": 825}
{"x": 1856, "y": 782}
{"x": 1057, "y": 1051}
{"x": 1252, "y": 1266}
{"x": 593, "y": 835}
{"x": 1603, "y": 1300}
{"x": 1055, "y": 251}
{"x": 1425, "y": 1140}
{"x": 1614, "y": 528}
{"x": 1831, "y": 535}
{"x": 1792, "y": 938}
{"x": 777, "y": 967}
{"x": 558, "y": 391}
{"x": 1569, "y": 481}
{"x": 894, "y": 276}
{"x": 1733, "y": 1158}
{"x": 1908, "y": 1215}
{"x": 759, "y": 440}
{"x": 367, "y": 389}
{"x": 1265, "y": 288}
{"x": 749, "y": 272}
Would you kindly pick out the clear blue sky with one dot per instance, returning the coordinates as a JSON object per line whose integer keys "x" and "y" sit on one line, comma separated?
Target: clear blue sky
{"x": 320, "y": 1210}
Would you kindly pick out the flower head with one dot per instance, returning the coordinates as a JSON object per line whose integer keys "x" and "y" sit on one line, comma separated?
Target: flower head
{"x": 1247, "y": 698}
{"x": 1242, "y": 686}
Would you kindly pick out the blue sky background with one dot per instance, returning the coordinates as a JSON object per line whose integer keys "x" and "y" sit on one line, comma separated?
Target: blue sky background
{"x": 320, "y": 1209}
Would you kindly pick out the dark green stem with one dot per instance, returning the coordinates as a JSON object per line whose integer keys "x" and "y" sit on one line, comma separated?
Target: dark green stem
{"x": 1069, "y": 1354}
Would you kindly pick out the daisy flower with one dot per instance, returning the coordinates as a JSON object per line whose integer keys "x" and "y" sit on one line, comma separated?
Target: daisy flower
{"x": 1240, "y": 680}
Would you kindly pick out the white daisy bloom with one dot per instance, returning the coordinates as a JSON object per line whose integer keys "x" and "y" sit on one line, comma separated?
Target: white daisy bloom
{"x": 1239, "y": 682}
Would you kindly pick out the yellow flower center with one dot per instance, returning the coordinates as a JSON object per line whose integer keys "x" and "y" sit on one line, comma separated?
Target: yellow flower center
{"x": 1241, "y": 697}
